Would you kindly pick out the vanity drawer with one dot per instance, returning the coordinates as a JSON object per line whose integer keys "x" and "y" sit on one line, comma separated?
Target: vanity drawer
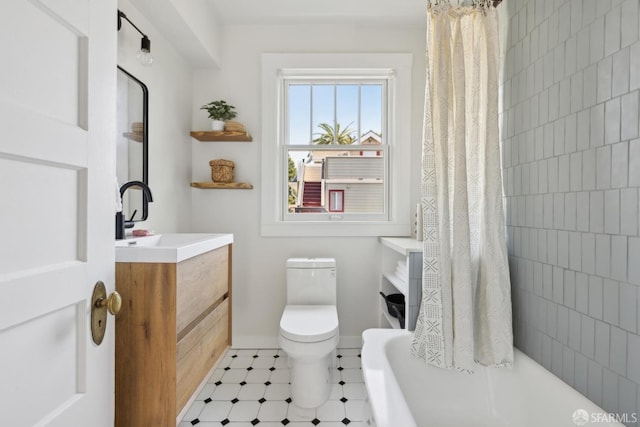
{"x": 202, "y": 281}
{"x": 199, "y": 350}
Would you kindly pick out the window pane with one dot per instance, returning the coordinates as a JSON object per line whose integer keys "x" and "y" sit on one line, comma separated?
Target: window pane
{"x": 347, "y": 113}
{"x": 336, "y": 201}
{"x": 371, "y": 109}
{"x": 299, "y": 104}
{"x": 323, "y": 112}
{"x": 294, "y": 165}
{"x": 358, "y": 175}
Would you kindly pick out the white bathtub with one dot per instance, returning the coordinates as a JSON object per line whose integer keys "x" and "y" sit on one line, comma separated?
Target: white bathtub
{"x": 405, "y": 392}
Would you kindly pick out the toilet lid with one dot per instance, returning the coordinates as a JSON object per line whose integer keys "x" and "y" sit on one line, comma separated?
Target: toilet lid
{"x": 309, "y": 323}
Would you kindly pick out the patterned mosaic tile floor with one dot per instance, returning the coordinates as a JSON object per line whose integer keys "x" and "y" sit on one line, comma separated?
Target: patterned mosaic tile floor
{"x": 251, "y": 388}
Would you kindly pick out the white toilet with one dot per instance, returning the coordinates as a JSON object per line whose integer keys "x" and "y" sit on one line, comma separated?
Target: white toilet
{"x": 309, "y": 328}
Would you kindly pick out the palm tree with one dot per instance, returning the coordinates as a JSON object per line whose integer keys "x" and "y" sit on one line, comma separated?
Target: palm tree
{"x": 293, "y": 176}
{"x": 331, "y": 135}
{"x": 293, "y": 172}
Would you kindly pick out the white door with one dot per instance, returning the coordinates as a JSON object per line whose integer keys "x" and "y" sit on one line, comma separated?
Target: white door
{"x": 57, "y": 132}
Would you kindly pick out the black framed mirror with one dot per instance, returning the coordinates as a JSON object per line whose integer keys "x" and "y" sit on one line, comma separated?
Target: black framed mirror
{"x": 132, "y": 142}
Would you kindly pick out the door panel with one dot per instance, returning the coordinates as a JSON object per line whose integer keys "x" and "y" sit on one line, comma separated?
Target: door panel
{"x": 38, "y": 59}
{"x": 46, "y": 364}
{"x": 62, "y": 192}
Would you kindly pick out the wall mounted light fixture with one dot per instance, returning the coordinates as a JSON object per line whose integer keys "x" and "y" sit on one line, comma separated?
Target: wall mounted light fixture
{"x": 144, "y": 54}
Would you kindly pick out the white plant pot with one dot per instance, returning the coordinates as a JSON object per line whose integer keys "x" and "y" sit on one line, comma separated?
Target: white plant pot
{"x": 217, "y": 125}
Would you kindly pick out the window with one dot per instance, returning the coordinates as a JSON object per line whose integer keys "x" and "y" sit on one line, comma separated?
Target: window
{"x": 334, "y": 136}
{"x": 336, "y": 200}
{"x": 335, "y": 145}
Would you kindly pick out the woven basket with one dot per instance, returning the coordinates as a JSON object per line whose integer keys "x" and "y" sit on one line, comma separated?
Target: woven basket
{"x": 222, "y": 170}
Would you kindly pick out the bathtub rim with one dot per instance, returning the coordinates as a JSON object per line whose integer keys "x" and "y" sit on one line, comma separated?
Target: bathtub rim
{"x": 383, "y": 392}
{"x": 391, "y": 395}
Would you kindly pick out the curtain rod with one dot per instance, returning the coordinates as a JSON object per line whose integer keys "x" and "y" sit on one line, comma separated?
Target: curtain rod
{"x": 495, "y": 3}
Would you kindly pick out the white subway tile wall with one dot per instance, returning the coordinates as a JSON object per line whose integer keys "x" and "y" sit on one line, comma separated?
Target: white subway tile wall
{"x": 571, "y": 161}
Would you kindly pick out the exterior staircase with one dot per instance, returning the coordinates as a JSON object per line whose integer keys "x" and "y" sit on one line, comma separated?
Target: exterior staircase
{"x": 312, "y": 196}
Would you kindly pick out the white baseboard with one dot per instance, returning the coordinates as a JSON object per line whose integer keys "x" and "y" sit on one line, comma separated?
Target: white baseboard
{"x": 248, "y": 341}
{"x": 259, "y": 342}
{"x": 350, "y": 341}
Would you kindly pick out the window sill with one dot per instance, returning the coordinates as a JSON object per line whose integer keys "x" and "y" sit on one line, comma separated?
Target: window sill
{"x": 335, "y": 229}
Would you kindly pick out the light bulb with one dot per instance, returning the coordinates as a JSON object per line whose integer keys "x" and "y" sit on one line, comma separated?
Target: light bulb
{"x": 144, "y": 54}
{"x": 145, "y": 57}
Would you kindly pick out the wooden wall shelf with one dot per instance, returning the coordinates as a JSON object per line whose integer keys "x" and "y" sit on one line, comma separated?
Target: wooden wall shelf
{"x": 134, "y": 136}
{"x": 221, "y": 136}
{"x": 227, "y": 185}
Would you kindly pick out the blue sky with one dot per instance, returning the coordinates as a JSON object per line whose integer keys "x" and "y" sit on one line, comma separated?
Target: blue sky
{"x": 301, "y": 124}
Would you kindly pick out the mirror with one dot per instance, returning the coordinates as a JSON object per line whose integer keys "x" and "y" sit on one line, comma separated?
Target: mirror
{"x": 132, "y": 138}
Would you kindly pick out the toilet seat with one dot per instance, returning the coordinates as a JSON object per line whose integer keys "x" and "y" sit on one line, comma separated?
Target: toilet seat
{"x": 309, "y": 323}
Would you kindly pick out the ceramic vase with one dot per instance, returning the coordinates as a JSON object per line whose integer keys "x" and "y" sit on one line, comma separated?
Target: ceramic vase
{"x": 217, "y": 125}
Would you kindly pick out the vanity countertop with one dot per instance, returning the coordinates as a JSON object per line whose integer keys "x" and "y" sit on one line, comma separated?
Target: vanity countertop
{"x": 170, "y": 247}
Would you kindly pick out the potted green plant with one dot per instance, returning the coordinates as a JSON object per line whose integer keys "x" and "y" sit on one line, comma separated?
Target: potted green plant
{"x": 219, "y": 112}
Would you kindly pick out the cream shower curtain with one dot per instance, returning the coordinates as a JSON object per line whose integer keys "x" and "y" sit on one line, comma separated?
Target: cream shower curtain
{"x": 465, "y": 316}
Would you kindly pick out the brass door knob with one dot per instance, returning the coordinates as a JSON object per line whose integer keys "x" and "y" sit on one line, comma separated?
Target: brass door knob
{"x": 113, "y": 303}
{"x": 100, "y": 304}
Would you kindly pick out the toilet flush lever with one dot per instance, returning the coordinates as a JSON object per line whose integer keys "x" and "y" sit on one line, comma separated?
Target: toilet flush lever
{"x": 100, "y": 304}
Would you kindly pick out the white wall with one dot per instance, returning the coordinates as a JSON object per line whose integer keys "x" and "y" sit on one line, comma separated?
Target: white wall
{"x": 191, "y": 27}
{"x": 258, "y": 263}
{"x": 170, "y": 110}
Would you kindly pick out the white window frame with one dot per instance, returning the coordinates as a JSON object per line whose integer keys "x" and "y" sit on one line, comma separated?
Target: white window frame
{"x": 275, "y": 68}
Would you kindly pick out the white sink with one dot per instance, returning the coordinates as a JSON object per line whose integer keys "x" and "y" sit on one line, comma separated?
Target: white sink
{"x": 169, "y": 248}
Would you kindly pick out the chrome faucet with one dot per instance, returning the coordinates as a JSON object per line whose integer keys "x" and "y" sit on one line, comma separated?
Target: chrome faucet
{"x": 121, "y": 223}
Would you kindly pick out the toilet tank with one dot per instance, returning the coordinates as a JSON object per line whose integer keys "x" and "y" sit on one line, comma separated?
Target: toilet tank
{"x": 311, "y": 281}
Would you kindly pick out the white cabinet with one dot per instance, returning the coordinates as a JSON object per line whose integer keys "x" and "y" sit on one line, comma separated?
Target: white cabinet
{"x": 401, "y": 273}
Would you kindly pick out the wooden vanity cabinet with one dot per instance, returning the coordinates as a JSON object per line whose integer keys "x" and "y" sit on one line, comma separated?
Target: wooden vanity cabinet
{"x": 174, "y": 324}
